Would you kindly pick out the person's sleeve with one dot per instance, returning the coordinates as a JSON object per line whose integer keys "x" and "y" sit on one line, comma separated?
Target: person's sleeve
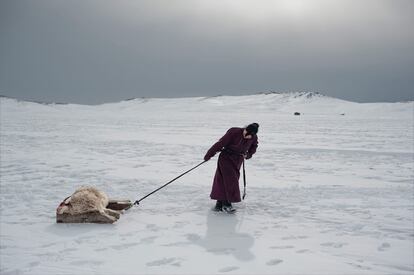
{"x": 219, "y": 145}
{"x": 252, "y": 148}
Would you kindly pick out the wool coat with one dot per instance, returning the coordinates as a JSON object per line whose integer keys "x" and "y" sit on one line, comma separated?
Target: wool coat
{"x": 226, "y": 179}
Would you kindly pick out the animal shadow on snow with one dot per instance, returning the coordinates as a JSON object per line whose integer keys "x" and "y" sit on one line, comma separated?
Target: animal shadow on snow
{"x": 222, "y": 237}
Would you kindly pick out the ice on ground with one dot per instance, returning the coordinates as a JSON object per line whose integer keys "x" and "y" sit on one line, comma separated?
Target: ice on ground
{"x": 328, "y": 192}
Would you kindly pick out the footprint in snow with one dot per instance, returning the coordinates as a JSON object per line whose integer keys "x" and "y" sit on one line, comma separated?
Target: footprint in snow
{"x": 179, "y": 225}
{"x": 274, "y": 262}
{"x": 228, "y": 269}
{"x": 282, "y": 247}
{"x": 334, "y": 245}
{"x": 360, "y": 266}
{"x": 87, "y": 263}
{"x": 123, "y": 246}
{"x": 165, "y": 261}
{"x": 34, "y": 264}
{"x": 193, "y": 237}
{"x": 132, "y": 233}
{"x": 153, "y": 227}
{"x": 48, "y": 245}
{"x": 294, "y": 238}
{"x": 384, "y": 246}
{"x": 148, "y": 240}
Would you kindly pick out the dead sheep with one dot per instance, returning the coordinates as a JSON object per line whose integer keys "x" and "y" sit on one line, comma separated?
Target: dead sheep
{"x": 86, "y": 205}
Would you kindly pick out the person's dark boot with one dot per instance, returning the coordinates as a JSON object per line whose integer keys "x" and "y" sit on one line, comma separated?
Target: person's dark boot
{"x": 218, "y": 207}
{"x": 227, "y": 207}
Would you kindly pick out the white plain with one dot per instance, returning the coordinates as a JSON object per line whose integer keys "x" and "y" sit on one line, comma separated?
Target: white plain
{"x": 326, "y": 193}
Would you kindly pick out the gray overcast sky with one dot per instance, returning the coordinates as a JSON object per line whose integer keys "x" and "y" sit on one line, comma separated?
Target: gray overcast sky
{"x": 94, "y": 51}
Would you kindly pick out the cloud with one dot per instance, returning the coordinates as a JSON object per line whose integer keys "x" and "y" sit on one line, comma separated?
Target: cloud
{"x": 105, "y": 50}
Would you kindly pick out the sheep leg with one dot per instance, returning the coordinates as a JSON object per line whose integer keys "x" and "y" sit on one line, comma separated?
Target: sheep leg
{"x": 113, "y": 213}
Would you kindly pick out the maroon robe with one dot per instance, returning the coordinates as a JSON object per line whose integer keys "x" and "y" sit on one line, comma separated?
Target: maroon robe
{"x": 226, "y": 180}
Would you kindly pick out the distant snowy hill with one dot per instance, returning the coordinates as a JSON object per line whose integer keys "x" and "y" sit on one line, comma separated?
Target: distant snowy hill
{"x": 306, "y": 103}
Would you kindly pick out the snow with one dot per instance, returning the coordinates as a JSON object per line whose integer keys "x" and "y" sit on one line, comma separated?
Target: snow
{"x": 326, "y": 193}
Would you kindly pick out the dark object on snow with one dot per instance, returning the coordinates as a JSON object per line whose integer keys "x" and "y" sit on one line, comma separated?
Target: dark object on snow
{"x": 89, "y": 205}
{"x": 233, "y": 147}
{"x": 297, "y": 114}
{"x": 224, "y": 206}
{"x": 342, "y": 114}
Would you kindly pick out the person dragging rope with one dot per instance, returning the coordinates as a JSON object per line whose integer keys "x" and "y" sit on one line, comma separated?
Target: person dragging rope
{"x": 235, "y": 146}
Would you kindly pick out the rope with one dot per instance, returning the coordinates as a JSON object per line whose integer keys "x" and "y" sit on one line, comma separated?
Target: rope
{"x": 138, "y": 201}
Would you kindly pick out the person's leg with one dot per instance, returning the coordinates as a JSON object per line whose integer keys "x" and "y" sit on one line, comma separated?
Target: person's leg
{"x": 219, "y": 206}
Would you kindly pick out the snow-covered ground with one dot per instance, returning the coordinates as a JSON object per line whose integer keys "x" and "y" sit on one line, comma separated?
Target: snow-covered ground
{"x": 328, "y": 192}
